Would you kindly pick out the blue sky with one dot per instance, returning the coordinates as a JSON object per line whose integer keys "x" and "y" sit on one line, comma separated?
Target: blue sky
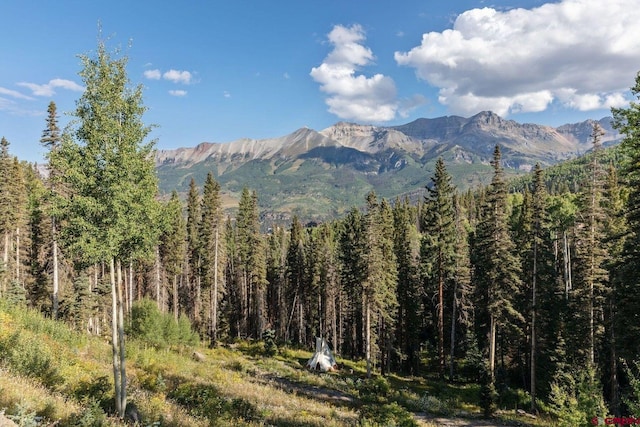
{"x": 218, "y": 71}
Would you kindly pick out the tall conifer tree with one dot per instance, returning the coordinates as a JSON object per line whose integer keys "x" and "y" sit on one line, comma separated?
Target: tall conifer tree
{"x": 496, "y": 267}
{"x": 439, "y": 240}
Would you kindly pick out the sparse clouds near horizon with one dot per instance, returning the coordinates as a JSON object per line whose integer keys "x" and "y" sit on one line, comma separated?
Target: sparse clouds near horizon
{"x": 175, "y": 76}
{"x": 48, "y": 89}
{"x": 523, "y": 60}
{"x": 354, "y": 96}
{"x": 14, "y": 94}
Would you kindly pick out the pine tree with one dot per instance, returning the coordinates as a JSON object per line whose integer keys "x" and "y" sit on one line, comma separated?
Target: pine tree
{"x": 194, "y": 252}
{"x": 107, "y": 166}
{"x": 627, "y": 122}
{"x": 439, "y": 240}
{"x": 173, "y": 247}
{"x": 590, "y": 279}
{"x": 295, "y": 273}
{"x": 51, "y": 138}
{"x": 253, "y": 266}
{"x": 462, "y": 305}
{"x": 379, "y": 286}
{"x": 407, "y": 251}
{"x": 351, "y": 253}
{"x": 212, "y": 250}
{"x": 7, "y": 209}
{"x": 496, "y": 267}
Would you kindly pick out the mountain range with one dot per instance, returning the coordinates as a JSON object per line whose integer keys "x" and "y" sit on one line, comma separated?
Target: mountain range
{"x": 322, "y": 174}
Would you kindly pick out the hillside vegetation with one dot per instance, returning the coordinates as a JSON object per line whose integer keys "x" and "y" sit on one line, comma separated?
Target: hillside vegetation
{"x": 50, "y": 373}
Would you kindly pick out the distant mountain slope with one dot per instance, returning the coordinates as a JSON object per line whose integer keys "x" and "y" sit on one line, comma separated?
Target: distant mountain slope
{"x": 319, "y": 174}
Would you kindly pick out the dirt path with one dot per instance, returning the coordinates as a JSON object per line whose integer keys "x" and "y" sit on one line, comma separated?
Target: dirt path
{"x": 430, "y": 420}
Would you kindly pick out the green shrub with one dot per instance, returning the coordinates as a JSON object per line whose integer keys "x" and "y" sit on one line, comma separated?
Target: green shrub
{"x": 576, "y": 397}
{"x": 27, "y": 355}
{"x": 270, "y": 347}
{"x": 390, "y": 415}
{"x": 374, "y": 389}
{"x": 159, "y": 329}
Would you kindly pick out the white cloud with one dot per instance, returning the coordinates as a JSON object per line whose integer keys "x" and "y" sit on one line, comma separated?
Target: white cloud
{"x": 48, "y": 89}
{"x": 153, "y": 74}
{"x": 178, "y": 76}
{"x": 354, "y": 96}
{"x": 178, "y": 92}
{"x": 583, "y": 54}
{"x": 226, "y": 94}
{"x": 14, "y": 94}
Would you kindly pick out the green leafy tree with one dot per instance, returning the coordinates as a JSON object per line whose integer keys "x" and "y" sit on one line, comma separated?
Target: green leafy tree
{"x": 108, "y": 169}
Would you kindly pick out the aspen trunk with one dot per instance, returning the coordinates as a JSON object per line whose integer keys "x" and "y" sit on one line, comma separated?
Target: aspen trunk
{"x": 115, "y": 340}
{"x": 492, "y": 347}
{"x": 54, "y": 296}
{"x": 214, "y": 313}
{"x": 123, "y": 373}
{"x": 368, "y": 336}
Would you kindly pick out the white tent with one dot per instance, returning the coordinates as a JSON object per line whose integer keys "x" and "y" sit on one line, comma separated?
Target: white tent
{"x": 323, "y": 359}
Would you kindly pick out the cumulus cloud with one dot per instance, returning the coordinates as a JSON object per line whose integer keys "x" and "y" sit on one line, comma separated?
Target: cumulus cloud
{"x": 178, "y": 76}
{"x": 583, "y": 54}
{"x": 354, "y": 96}
{"x": 48, "y": 89}
{"x": 153, "y": 74}
{"x": 178, "y": 92}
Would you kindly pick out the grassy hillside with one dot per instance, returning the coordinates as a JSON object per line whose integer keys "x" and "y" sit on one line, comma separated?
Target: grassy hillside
{"x": 50, "y": 373}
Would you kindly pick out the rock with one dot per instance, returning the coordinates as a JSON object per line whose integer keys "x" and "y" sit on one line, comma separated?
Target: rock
{"x": 6, "y": 422}
{"x": 198, "y": 357}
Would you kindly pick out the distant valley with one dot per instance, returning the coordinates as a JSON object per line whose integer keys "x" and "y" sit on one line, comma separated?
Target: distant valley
{"x": 322, "y": 174}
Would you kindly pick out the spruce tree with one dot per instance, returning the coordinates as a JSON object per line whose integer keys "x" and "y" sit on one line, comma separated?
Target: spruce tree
{"x": 193, "y": 253}
{"x": 590, "y": 278}
{"x": 295, "y": 274}
{"x": 439, "y": 240}
{"x": 351, "y": 253}
{"x": 496, "y": 267}
{"x": 173, "y": 247}
{"x": 627, "y": 122}
{"x": 406, "y": 247}
{"x": 51, "y": 138}
{"x": 212, "y": 250}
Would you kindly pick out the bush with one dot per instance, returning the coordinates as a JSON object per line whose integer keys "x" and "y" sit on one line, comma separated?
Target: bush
{"x": 28, "y": 356}
{"x": 389, "y": 415}
{"x": 374, "y": 389}
{"x": 576, "y": 397}
{"x": 159, "y": 329}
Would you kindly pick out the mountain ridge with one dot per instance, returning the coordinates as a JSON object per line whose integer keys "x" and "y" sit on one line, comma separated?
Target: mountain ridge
{"x": 320, "y": 174}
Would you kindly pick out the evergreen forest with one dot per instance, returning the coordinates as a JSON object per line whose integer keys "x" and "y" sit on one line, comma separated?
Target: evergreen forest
{"x": 527, "y": 289}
